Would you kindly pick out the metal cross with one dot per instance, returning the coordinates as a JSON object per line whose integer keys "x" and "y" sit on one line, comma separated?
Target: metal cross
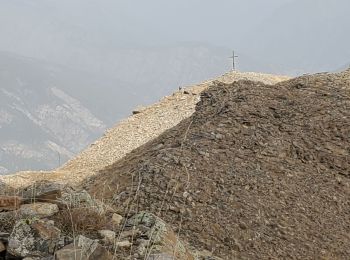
{"x": 233, "y": 57}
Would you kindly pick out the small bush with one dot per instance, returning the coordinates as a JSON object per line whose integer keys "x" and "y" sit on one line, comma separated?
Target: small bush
{"x": 80, "y": 221}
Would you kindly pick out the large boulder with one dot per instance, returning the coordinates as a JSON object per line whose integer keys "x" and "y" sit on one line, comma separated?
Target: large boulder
{"x": 33, "y": 237}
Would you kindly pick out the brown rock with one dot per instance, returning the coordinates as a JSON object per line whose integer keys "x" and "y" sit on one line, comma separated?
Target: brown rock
{"x": 49, "y": 196}
{"x": 46, "y": 230}
{"x": 2, "y": 247}
{"x": 10, "y": 202}
{"x": 43, "y": 192}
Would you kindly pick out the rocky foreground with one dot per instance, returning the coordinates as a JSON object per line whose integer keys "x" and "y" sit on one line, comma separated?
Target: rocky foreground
{"x": 51, "y": 221}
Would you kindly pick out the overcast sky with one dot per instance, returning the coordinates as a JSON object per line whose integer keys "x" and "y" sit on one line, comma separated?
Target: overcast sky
{"x": 290, "y": 36}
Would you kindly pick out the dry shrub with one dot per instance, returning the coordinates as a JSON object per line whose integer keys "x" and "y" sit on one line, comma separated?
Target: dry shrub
{"x": 80, "y": 221}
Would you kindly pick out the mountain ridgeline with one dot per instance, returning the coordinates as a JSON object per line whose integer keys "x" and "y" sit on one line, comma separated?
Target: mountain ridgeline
{"x": 49, "y": 113}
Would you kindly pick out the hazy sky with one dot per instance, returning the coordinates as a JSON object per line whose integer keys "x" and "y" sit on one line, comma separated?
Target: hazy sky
{"x": 287, "y": 35}
{"x": 153, "y": 21}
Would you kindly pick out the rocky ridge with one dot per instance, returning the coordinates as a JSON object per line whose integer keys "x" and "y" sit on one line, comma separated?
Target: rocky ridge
{"x": 257, "y": 172}
{"x": 146, "y": 124}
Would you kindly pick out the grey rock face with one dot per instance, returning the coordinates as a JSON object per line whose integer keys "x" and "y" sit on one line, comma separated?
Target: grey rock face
{"x": 39, "y": 210}
{"x": 34, "y": 238}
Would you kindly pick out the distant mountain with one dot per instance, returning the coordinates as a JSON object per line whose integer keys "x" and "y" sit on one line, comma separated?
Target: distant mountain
{"x": 50, "y": 109}
{"x": 87, "y": 36}
{"x": 303, "y": 36}
{"x": 48, "y": 113}
{"x": 344, "y": 67}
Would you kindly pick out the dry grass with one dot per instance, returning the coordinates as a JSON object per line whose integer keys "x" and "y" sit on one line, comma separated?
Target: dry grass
{"x": 80, "y": 221}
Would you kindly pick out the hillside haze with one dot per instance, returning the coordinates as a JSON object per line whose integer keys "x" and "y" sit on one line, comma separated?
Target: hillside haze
{"x": 41, "y": 124}
{"x": 110, "y": 57}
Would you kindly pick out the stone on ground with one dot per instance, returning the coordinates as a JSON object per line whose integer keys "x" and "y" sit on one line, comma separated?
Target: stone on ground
{"x": 40, "y": 210}
{"x": 34, "y": 238}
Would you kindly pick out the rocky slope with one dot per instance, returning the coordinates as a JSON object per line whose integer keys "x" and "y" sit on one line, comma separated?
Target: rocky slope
{"x": 257, "y": 172}
{"x": 146, "y": 124}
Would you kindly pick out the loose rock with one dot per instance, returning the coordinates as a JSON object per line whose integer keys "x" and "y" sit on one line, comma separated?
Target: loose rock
{"x": 40, "y": 210}
{"x": 34, "y": 238}
{"x": 116, "y": 219}
{"x": 108, "y": 236}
